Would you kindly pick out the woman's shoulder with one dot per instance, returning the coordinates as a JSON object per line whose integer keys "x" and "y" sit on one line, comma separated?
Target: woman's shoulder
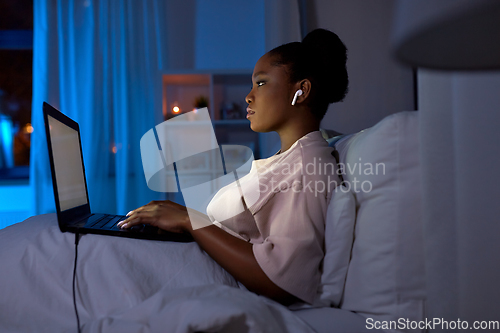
{"x": 319, "y": 166}
{"x": 313, "y": 149}
{"x": 313, "y": 143}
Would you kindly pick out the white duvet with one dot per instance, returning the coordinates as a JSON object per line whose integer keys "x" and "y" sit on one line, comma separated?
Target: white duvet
{"x": 123, "y": 285}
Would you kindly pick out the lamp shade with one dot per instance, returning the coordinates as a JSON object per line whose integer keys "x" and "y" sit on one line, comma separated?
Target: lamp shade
{"x": 448, "y": 34}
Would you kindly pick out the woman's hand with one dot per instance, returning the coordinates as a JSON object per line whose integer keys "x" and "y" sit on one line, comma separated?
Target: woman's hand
{"x": 233, "y": 254}
{"x": 166, "y": 215}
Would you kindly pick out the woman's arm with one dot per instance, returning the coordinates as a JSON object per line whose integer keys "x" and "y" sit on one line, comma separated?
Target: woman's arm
{"x": 233, "y": 254}
{"x": 236, "y": 256}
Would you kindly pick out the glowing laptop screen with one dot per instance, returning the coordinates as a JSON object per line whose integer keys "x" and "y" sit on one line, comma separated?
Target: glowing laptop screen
{"x": 68, "y": 165}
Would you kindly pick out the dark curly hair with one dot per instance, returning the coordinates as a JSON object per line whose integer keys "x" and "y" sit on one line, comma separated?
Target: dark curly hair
{"x": 320, "y": 57}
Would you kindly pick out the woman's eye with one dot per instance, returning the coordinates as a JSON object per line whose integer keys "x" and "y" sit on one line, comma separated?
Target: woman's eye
{"x": 258, "y": 84}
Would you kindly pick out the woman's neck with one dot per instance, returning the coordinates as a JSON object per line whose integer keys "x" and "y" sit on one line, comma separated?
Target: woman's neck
{"x": 288, "y": 138}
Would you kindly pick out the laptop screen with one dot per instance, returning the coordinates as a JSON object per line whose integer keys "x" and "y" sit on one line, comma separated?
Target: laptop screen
{"x": 68, "y": 165}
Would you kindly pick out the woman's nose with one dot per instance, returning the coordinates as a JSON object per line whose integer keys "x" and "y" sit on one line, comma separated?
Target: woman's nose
{"x": 248, "y": 99}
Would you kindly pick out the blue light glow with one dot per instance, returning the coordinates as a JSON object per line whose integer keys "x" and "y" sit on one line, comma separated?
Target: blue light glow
{"x": 6, "y": 142}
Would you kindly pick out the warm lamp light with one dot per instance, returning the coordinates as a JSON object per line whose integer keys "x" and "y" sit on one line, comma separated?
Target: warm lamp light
{"x": 28, "y": 128}
{"x": 176, "y": 109}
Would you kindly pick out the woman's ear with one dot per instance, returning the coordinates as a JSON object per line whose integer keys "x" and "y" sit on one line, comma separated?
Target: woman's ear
{"x": 305, "y": 86}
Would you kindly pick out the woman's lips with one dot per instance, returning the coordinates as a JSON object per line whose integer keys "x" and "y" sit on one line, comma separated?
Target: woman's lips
{"x": 250, "y": 112}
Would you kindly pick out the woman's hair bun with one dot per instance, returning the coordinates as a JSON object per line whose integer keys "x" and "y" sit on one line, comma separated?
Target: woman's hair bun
{"x": 326, "y": 56}
{"x": 321, "y": 57}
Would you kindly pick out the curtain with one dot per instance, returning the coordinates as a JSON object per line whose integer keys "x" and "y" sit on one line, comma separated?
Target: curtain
{"x": 282, "y": 23}
{"x": 99, "y": 63}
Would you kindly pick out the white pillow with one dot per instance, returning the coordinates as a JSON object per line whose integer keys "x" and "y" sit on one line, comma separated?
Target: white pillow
{"x": 385, "y": 278}
{"x": 339, "y": 234}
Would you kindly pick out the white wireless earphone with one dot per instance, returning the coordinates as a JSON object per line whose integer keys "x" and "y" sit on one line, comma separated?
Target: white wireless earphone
{"x": 297, "y": 94}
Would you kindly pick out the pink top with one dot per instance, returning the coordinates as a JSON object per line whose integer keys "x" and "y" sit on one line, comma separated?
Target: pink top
{"x": 282, "y": 212}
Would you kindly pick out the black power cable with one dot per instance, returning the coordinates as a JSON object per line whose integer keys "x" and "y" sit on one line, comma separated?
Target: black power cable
{"x": 77, "y": 239}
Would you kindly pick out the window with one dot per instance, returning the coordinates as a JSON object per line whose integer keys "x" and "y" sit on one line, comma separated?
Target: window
{"x": 16, "y": 55}
{"x": 16, "y": 58}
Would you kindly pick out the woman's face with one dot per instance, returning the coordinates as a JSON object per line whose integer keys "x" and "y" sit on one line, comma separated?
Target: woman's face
{"x": 270, "y": 98}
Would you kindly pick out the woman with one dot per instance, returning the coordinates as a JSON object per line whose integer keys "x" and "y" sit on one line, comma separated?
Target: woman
{"x": 275, "y": 247}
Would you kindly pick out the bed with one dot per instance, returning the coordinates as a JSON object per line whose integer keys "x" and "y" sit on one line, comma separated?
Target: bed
{"x": 373, "y": 269}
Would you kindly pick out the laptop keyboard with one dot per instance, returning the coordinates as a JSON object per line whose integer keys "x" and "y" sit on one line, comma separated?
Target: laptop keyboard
{"x": 107, "y": 222}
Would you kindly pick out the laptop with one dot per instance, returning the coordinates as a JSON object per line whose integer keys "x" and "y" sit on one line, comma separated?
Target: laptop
{"x": 70, "y": 186}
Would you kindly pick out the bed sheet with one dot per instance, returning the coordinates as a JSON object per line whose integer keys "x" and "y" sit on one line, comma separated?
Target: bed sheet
{"x": 123, "y": 285}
